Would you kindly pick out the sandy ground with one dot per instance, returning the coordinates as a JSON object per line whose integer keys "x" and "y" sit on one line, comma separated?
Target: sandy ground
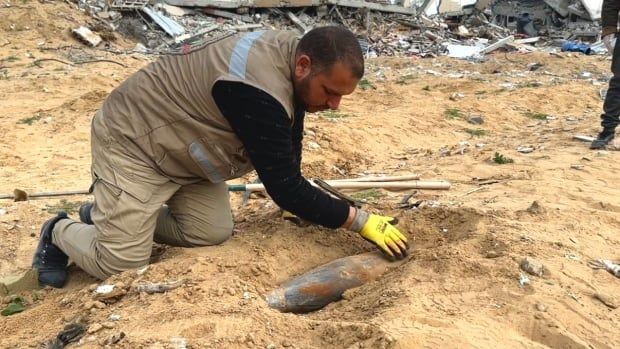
{"x": 461, "y": 288}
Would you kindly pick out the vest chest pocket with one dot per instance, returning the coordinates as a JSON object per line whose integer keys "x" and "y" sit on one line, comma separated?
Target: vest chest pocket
{"x": 220, "y": 161}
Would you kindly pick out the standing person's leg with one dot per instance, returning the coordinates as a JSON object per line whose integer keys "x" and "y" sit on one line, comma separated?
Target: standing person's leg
{"x": 128, "y": 197}
{"x": 196, "y": 215}
{"x": 611, "y": 107}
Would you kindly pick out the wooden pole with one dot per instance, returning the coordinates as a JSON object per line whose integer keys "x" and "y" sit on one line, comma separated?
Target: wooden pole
{"x": 410, "y": 177}
{"x": 435, "y": 185}
{"x": 361, "y": 183}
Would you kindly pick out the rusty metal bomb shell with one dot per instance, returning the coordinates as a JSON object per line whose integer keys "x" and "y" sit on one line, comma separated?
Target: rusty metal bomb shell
{"x": 325, "y": 284}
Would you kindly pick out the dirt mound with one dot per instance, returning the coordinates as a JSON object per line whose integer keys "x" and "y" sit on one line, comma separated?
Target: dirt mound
{"x": 462, "y": 286}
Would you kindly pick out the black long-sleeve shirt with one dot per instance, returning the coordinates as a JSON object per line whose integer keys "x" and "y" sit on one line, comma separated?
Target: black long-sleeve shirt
{"x": 609, "y": 16}
{"x": 274, "y": 147}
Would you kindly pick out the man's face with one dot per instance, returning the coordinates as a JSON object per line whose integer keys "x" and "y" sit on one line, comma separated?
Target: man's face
{"x": 324, "y": 90}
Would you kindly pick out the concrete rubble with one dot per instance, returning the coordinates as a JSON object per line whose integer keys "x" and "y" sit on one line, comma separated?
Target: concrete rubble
{"x": 467, "y": 29}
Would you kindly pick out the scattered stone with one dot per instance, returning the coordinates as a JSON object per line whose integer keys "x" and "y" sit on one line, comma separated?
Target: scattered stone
{"x": 96, "y": 327}
{"x": 532, "y": 267}
{"x": 115, "y": 338}
{"x": 108, "y": 324}
{"x": 541, "y": 307}
{"x": 524, "y": 149}
{"x": 475, "y": 120}
{"x": 456, "y": 96}
{"x": 535, "y": 208}
{"x": 99, "y": 304}
{"x": 492, "y": 254}
{"x": 2, "y": 211}
{"x": 114, "y": 317}
{"x": 314, "y": 145}
{"x": 111, "y": 296}
{"x": 14, "y": 284}
{"x": 232, "y": 291}
{"x": 609, "y": 301}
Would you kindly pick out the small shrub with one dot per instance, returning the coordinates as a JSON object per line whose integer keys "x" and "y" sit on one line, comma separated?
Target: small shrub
{"x": 501, "y": 159}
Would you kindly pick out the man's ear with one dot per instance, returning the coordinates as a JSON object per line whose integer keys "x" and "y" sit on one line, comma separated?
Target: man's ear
{"x": 303, "y": 66}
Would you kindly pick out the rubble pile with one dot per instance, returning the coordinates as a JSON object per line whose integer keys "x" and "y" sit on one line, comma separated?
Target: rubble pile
{"x": 425, "y": 28}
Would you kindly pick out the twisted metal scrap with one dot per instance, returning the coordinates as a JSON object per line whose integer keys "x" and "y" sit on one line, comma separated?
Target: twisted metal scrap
{"x": 606, "y": 264}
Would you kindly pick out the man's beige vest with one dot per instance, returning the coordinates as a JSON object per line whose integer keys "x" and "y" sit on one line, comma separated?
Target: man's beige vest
{"x": 165, "y": 114}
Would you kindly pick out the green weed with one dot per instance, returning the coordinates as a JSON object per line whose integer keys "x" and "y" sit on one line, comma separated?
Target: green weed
{"x": 476, "y": 132}
{"x": 453, "y": 113}
{"x": 365, "y": 84}
{"x": 501, "y": 159}
{"x": 536, "y": 116}
{"x": 406, "y": 79}
{"x": 368, "y": 195}
{"x": 30, "y": 120}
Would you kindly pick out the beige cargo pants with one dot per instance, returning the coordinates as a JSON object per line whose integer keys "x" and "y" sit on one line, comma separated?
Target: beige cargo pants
{"x": 134, "y": 206}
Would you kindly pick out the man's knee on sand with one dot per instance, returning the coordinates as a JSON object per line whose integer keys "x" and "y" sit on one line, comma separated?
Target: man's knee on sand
{"x": 207, "y": 235}
{"x": 116, "y": 258}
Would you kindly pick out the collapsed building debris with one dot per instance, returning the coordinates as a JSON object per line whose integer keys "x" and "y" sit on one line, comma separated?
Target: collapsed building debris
{"x": 424, "y": 28}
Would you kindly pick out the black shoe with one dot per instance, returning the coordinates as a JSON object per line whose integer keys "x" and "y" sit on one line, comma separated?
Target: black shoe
{"x": 48, "y": 259}
{"x": 606, "y": 136}
{"x": 85, "y": 213}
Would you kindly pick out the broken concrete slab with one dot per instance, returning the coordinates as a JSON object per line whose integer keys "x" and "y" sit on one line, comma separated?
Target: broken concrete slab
{"x": 462, "y": 51}
{"x": 196, "y": 35}
{"x": 87, "y": 36}
{"x": 593, "y": 7}
{"x": 175, "y": 10}
{"x": 233, "y": 4}
{"x": 128, "y": 5}
{"x": 500, "y": 43}
{"x": 169, "y": 25}
{"x": 560, "y": 6}
{"x": 298, "y": 22}
{"x": 229, "y": 15}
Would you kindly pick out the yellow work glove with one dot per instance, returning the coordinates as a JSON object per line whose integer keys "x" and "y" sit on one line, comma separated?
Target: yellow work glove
{"x": 380, "y": 231}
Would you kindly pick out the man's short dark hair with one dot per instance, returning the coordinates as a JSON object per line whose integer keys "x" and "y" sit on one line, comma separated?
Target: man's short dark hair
{"x": 331, "y": 44}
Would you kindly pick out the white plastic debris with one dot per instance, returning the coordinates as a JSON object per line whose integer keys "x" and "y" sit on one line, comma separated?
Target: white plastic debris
{"x": 524, "y": 280}
{"x": 178, "y": 342}
{"x": 103, "y": 289}
{"x": 525, "y": 150}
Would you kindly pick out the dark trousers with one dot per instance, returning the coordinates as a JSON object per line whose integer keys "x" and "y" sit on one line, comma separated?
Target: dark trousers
{"x": 611, "y": 108}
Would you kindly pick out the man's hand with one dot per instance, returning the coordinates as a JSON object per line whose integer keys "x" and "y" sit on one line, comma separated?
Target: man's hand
{"x": 380, "y": 231}
{"x": 610, "y": 42}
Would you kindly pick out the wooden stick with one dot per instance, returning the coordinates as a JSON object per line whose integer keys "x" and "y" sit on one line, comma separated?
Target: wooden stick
{"x": 339, "y": 184}
{"x": 438, "y": 185}
{"x": 48, "y": 194}
{"x": 410, "y": 177}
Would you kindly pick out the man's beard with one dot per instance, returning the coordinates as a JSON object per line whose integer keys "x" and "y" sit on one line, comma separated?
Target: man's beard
{"x": 302, "y": 95}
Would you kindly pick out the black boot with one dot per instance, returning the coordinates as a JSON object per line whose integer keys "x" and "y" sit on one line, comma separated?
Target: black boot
{"x": 48, "y": 259}
{"x": 606, "y": 136}
{"x": 85, "y": 213}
